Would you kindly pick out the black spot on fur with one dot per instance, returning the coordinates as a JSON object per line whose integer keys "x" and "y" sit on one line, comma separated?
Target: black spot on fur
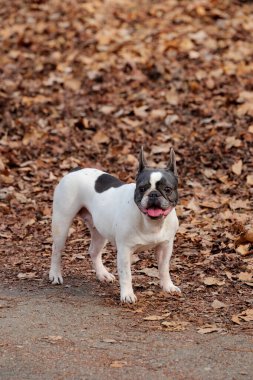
{"x": 105, "y": 182}
{"x": 75, "y": 169}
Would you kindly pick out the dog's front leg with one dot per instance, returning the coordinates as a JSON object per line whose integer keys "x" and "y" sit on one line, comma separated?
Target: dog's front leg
{"x": 164, "y": 252}
{"x": 125, "y": 277}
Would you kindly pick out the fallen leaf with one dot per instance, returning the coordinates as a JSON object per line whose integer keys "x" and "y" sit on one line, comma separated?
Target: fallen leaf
{"x": 239, "y": 203}
{"x": 210, "y": 204}
{"x": 249, "y": 179}
{"x": 245, "y": 277}
{"x": 232, "y": 141}
{"x": 243, "y": 250}
{"x": 235, "y": 319}
{"x": 209, "y": 173}
{"x": 100, "y": 138}
{"x": 175, "y": 325}
{"x": 237, "y": 167}
{"x": 26, "y": 276}
{"x": 109, "y": 340}
{"x": 172, "y": 98}
{"x": 151, "y": 272}
{"x": 53, "y": 339}
{"x": 72, "y": 84}
{"x": 209, "y": 329}
{"x": 158, "y": 114}
{"x": 118, "y": 364}
{"x": 192, "y": 205}
{"x": 107, "y": 110}
{"x": 141, "y": 112}
{"x": 246, "y": 315}
{"x": 246, "y": 237}
{"x": 170, "y": 119}
{"x": 153, "y": 318}
{"x": 210, "y": 281}
{"x": 216, "y": 304}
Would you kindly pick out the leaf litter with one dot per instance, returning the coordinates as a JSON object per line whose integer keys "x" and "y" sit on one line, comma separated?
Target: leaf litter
{"x": 86, "y": 84}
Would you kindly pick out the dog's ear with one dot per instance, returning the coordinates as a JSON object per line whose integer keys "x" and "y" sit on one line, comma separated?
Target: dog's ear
{"x": 142, "y": 161}
{"x": 172, "y": 166}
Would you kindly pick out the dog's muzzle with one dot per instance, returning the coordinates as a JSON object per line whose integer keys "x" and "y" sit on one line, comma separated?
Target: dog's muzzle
{"x": 154, "y": 208}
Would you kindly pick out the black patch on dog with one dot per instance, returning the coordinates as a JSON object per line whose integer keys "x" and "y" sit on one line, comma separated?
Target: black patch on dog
{"x": 105, "y": 182}
{"x": 75, "y": 169}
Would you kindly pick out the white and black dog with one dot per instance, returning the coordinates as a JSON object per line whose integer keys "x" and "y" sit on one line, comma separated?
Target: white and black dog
{"x": 132, "y": 216}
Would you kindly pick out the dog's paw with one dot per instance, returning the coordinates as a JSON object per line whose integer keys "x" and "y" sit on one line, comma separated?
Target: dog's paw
{"x": 105, "y": 276}
{"x": 170, "y": 288}
{"x": 128, "y": 297}
{"x": 55, "y": 277}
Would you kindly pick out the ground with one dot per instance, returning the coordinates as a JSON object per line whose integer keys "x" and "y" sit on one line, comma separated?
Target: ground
{"x": 68, "y": 333}
{"x": 86, "y": 84}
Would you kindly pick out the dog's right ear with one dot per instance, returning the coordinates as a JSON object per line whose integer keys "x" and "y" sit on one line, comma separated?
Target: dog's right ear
{"x": 142, "y": 161}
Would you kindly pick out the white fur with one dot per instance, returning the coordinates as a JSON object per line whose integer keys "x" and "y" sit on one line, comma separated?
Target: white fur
{"x": 154, "y": 178}
{"x": 111, "y": 216}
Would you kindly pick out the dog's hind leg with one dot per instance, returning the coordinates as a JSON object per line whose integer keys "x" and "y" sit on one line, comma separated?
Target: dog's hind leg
{"x": 60, "y": 226}
{"x": 95, "y": 250}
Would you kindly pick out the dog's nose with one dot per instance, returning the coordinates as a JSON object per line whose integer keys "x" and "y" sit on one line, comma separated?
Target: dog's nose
{"x": 153, "y": 194}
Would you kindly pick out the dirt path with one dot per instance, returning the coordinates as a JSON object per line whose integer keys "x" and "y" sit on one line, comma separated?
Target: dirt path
{"x": 66, "y": 333}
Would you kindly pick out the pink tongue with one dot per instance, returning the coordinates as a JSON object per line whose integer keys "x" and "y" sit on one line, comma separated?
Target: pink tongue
{"x": 155, "y": 212}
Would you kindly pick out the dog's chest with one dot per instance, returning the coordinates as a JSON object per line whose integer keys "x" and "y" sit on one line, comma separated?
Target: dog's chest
{"x": 145, "y": 241}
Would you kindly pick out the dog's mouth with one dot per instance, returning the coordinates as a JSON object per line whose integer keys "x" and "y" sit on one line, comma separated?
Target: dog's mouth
{"x": 157, "y": 213}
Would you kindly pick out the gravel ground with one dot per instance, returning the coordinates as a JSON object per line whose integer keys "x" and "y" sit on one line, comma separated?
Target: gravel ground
{"x": 68, "y": 333}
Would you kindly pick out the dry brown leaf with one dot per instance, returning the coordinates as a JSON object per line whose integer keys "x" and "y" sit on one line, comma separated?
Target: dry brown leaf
{"x": 209, "y": 329}
{"x": 151, "y": 272}
{"x": 175, "y": 325}
{"x": 53, "y": 339}
{"x": 153, "y": 318}
{"x": 243, "y": 250}
{"x": 158, "y": 114}
{"x": 246, "y": 237}
{"x": 118, "y": 364}
{"x": 209, "y": 173}
{"x": 237, "y": 167}
{"x": 107, "y": 110}
{"x": 172, "y": 98}
{"x": 100, "y": 138}
{"x": 249, "y": 179}
{"x": 239, "y": 203}
{"x": 246, "y": 315}
{"x": 161, "y": 148}
{"x": 170, "y": 119}
{"x": 141, "y": 112}
{"x": 245, "y": 109}
{"x": 192, "y": 205}
{"x": 232, "y": 141}
{"x": 72, "y": 84}
{"x": 26, "y": 276}
{"x": 108, "y": 340}
{"x": 235, "y": 319}
{"x": 245, "y": 277}
{"x": 210, "y": 281}
{"x": 216, "y": 304}
{"x": 210, "y": 204}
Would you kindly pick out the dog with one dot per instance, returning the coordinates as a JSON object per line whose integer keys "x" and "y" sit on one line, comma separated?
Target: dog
{"x": 134, "y": 217}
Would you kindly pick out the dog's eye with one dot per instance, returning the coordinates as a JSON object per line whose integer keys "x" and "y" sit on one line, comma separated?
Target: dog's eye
{"x": 168, "y": 189}
{"x": 142, "y": 189}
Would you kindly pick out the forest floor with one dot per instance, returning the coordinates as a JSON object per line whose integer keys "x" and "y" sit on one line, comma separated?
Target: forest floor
{"x": 86, "y": 84}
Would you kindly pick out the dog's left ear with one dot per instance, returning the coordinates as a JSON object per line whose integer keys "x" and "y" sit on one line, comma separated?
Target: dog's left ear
{"x": 142, "y": 161}
{"x": 172, "y": 166}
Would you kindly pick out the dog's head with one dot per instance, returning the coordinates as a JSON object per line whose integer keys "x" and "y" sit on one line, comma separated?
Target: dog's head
{"x": 156, "y": 189}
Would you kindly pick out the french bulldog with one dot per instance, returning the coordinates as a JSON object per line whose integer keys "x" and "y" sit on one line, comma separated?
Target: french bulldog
{"x": 134, "y": 217}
